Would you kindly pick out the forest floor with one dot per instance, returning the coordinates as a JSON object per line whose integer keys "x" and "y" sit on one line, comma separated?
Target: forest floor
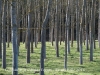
{"x": 54, "y": 65}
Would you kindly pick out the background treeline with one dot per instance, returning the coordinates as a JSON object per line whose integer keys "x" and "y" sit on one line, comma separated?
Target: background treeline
{"x": 38, "y": 10}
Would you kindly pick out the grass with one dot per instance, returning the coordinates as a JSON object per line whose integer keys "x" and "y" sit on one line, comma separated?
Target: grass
{"x": 53, "y": 65}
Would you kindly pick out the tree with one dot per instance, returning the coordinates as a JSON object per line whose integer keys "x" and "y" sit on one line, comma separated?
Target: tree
{"x": 91, "y": 31}
{"x": 68, "y": 28}
{"x": 86, "y": 27}
{"x": 66, "y": 33}
{"x": 81, "y": 31}
{"x": 72, "y": 21}
{"x": 80, "y": 46}
{"x": 28, "y": 33}
{"x": 3, "y": 35}
{"x": 52, "y": 25}
{"x": 99, "y": 26}
{"x": 8, "y": 24}
{"x": 43, "y": 35}
{"x": 0, "y": 29}
{"x": 56, "y": 30}
{"x": 14, "y": 37}
{"x": 77, "y": 24}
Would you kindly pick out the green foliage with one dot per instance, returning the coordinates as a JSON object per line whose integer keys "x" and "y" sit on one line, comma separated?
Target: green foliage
{"x": 53, "y": 65}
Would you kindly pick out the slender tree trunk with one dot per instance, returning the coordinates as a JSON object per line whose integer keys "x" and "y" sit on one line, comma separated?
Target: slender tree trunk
{"x": 25, "y": 23}
{"x": 81, "y": 28}
{"x": 56, "y": 31}
{"x": 0, "y": 30}
{"x": 18, "y": 26}
{"x": 32, "y": 30}
{"x": 81, "y": 56}
{"x": 68, "y": 27}
{"x": 60, "y": 22}
{"x": 77, "y": 24}
{"x": 66, "y": 34}
{"x": 32, "y": 50}
{"x": 52, "y": 26}
{"x": 44, "y": 12}
{"x": 8, "y": 24}
{"x": 86, "y": 25}
{"x": 39, "y": 22}
{"x": 89, "y": 11}
{"x": 14, "y": 37}
{"x": 94, "y": 43}
{"x": 35, "y": 26}
{"x": 63, "y": 23}
{"x": 28, "y": 33}
{"x": 43, "y": 35}
{"x": 99, "y": 26}
{"x": 91, "y": 31}
{"x": 72, "y": 22}
{"x": 3, "y": 35}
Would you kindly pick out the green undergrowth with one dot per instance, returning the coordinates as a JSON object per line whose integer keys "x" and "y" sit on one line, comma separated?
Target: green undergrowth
{"x": 53, "y": 65}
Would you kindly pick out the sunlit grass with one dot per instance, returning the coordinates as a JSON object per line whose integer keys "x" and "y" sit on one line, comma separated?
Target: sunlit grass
{"x": 53, "y": 65}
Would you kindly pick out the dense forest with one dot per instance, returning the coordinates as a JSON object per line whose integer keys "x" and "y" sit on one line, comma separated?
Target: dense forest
{"x": 33, "y": 21}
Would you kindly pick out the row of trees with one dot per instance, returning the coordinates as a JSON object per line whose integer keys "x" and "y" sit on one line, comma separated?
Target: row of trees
{"x": 31, "y": 21}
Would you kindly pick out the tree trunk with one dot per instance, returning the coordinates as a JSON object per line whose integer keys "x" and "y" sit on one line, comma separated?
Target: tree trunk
{"x": 0, "y": 30}
{"x": 99, "y": 26}
{"x": 18, "y": 26}
{"x": 43, "y": 35}
{"x": 81, "y": 31}
{"x": 52, "y": 26}
{"x": 94, "y": 43}
{"x": 28, "y": 33}
{"x": 3, "y": 35}
{"x": 80, "y": 48}
{"x": 14, "y": 37}
{"x": 72, "y": 22}
{"x": 86, "y": 27}
{"x": 56, "y": 31}
{"x": 35, "y": 26}
{"x": 91, "y": 31}
{"x": 77, "y": 24}
{"x": 8, "y": 24}
{"x": 66, "y": 34}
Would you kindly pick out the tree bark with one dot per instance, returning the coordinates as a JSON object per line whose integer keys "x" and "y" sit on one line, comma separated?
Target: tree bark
{"x": 8, "y": 24}
{"x": 14, "y": 37}
{"x": 72, "y": 22}
{"x": 0, "y": 29}
{"x": 3, "y": 35}
{"x": 43, "y": 35}
{"x": 66, "y": 34}
{"x": 86, "y": 27}
{"x": 91, "y": 31}
{"x": 99, "y": 26}
{"x": 56, "y": 31}
{"x": 77, "y": 24}
{"x": 28, "y": 33}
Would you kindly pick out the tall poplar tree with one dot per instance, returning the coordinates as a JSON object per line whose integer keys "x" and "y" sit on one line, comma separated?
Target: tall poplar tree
{"x": 56, "y": 30}
{"x": 28, "y": 33}
{"x": 3, "y": 35}
{"x": 99, "y": 25}
{"x": 14, "y": 37}
{"x": 91, "y": 31}
{"x": 77, "y": 24}
{"x": 0, "y": 29}
{"x": 43, "y": 40}
{"x": 66, "y": 33}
